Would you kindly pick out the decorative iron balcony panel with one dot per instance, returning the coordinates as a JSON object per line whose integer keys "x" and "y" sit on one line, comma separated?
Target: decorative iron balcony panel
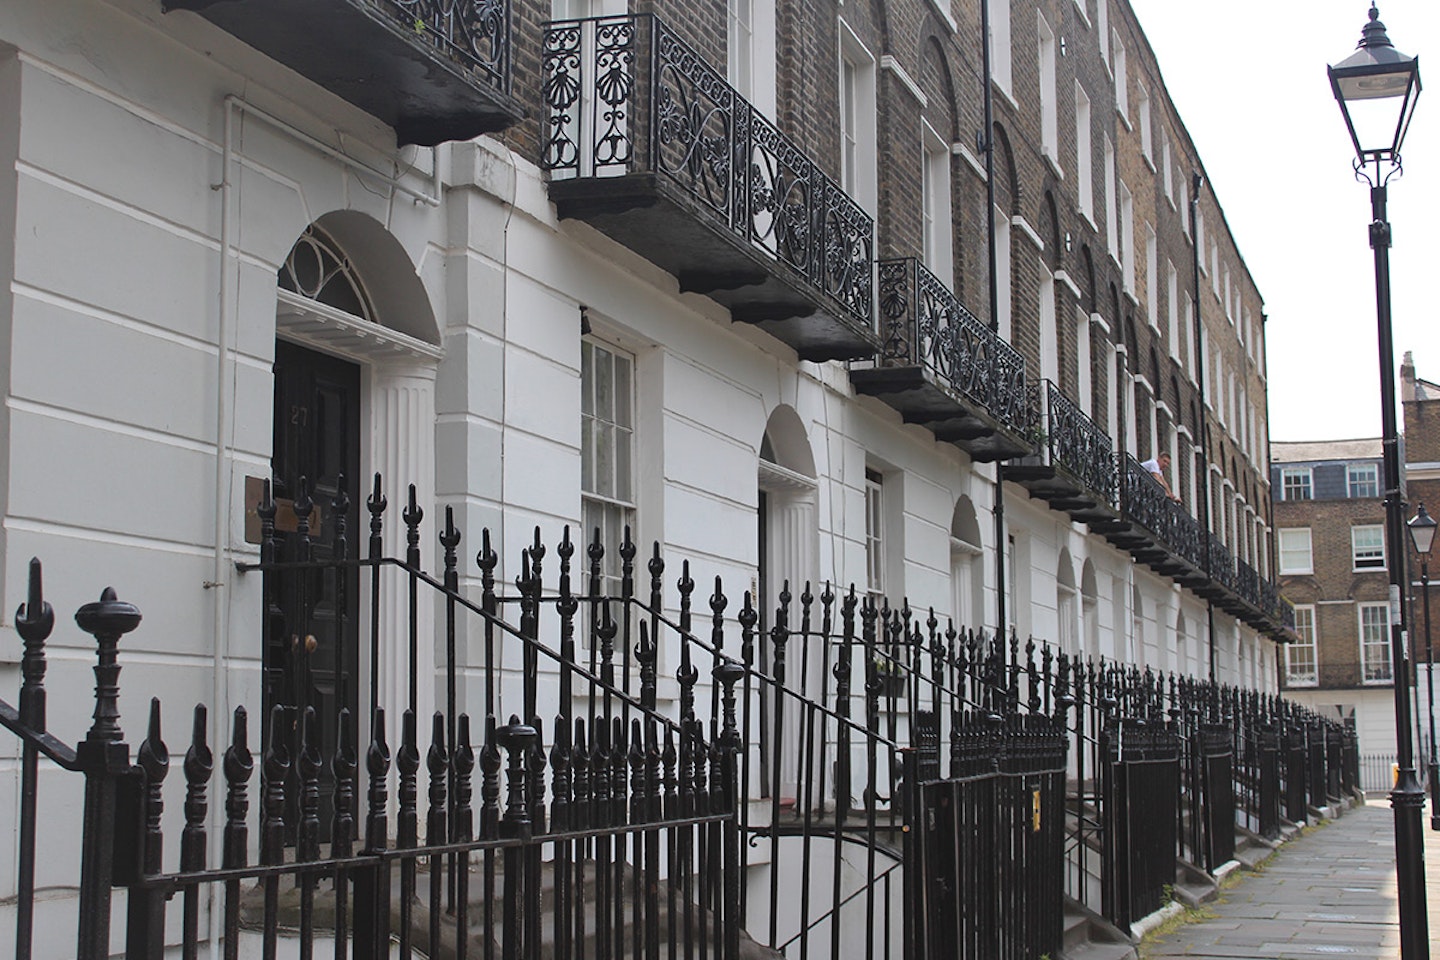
{"x": 1073, "y": 466}
{"x": 435, "y": 70}
{"x": 1222, "y": 564}
{"x": 940, "y": 366}
{"x": 647, "y": 143}
{"x": 1286, "y": 612}
{"x": 1247, "y": 584}
{"x": 1158, "y": 531}
{"x": 1079, "y": 445}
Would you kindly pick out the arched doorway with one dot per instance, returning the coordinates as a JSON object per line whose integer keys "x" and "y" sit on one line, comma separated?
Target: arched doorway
{"x": 1089, "y": 610}
{"x": 356, "y": 351}
{"x": 967, "y": 571}
{"x": 786, "y": 528}
{"x": 1066, "y": 608}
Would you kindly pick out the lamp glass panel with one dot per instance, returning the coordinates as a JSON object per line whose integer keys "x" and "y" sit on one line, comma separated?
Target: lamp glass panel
{"x": 1374, "y": 87}
{"x": 1375, "y": 121}
{"x": 1422, "y": 535}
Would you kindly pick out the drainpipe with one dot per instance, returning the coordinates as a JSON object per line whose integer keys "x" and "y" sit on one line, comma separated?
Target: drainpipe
{"x": 998, "y": 513}
{"x": 224, "y": 487}
{"x": 1196, "y": 182}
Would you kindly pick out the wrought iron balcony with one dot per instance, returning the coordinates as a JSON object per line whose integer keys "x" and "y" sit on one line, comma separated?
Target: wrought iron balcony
{"x": 1073, "y": 465}
{"x": 1222, "y": 564}
{"x": 940, "y": 366}
{"x": 647, "y": 143}
{"x": 1158, "y": 531}
{"x": 435, "y": 70}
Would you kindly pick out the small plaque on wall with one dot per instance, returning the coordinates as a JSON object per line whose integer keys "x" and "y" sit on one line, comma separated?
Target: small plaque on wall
{"x": 285, "y": 518}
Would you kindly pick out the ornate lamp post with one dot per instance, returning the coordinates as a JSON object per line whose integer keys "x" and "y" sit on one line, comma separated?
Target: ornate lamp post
{"x": 1377, "y": 87}
{"x": 1422, "y": 535}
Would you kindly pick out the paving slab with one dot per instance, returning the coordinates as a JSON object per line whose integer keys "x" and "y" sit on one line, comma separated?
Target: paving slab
{"x": 1329, "y": 892}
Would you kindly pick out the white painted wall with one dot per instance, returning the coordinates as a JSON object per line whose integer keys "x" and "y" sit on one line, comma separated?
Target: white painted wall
{"x": 114, "y": 262}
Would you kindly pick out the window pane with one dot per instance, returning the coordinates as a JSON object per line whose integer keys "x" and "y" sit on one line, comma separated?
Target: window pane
{"x": 604, "y": 459}
{"x": 587, "y": 378}
{"x": 874, "y": 535}
{"x": 622, "y": 465}
{"x": 1364, "y": 481}
{"x": 1375, "y": 641}
{"x": 604, "y": 385}
{"x": 587, "y": 456}
{"x": 1295, "y": 483}
{"x": 1295, "y": 550}
{"x": 1300, "y": 658}
{"x": 623, "y": 393}
{"x": 1368, "y": 547}
{"x": 606, "y": 440}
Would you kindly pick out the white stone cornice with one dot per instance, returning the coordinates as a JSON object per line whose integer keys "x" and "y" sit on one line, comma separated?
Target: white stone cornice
{"x": 888, "y": 62}
{"x": 961, "y": 151}
{"x": 1063, "y": 277}
{"x": 1024, "y": 226}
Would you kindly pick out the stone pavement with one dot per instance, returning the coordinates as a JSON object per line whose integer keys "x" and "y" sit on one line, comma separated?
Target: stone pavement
{"x": 1327, "y": 893}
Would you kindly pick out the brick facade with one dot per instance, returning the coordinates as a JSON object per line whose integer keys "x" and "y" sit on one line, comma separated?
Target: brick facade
{"x": 928, "y": 66}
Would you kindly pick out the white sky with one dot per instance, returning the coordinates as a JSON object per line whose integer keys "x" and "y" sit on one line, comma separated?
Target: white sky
{"x": 1279, "y": 160}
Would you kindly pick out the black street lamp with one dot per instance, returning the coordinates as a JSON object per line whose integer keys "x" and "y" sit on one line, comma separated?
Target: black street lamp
{"x": 1422, "y": 535}
{"x": 1377, "y": 87}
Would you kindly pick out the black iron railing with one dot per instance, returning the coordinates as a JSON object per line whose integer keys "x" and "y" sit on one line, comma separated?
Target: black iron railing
{"x": 1145, "y": 503}
{"x": 627, "y": 95}
{"x": 827, "y": 738}
{"x": 1222, "y": 563}
{"x": 475, "y": 34}
{"x": 924, "y": 324}
{"x": 1069, "y": 440}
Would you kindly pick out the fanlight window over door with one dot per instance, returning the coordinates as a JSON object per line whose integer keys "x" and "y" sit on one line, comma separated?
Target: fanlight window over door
{"x": 319, "y": 270}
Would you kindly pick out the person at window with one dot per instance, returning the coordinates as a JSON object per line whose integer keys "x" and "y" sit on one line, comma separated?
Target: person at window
{"x": 1156, "y": 468}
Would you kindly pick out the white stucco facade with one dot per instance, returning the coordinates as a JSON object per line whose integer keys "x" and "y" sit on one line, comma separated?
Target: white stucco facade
{"x": 154, "y": 175}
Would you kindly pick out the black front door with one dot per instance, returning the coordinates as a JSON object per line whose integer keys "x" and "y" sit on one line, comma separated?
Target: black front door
{"x": 311, "y": 628}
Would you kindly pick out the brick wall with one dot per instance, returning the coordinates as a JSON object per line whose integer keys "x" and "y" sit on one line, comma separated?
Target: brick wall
{"x": 936, "y": 75}
{"x": 1335, "y": 588}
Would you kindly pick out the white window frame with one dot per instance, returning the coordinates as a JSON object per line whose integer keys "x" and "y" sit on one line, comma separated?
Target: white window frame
{"x": 1373, "y": 622}
{"x": 1003, "y": 295}
{"x": 1000, "y": 47}
{"x": 1049, "y": 110}
{"x": 1367, "y": 547}
{"x": 1084, "y": 156}
{"x": 857, "y": 121}
{"x": 1352, "y": 481}
{"x": 1102, "y": 29}
{"x": 1300, "y": 538}
{"x": 874, "y": 532}
{"x": 1302, "y": 663}
{"x": 1112, "y": 234}
{"x": 1182, "y": 184}
{"x": 750, "y": 51}
{"x": 1187, "y": 325}
{"x": 1172, "y": 308}
{"x": 935, "y": 202}
{"x": 1296, "y": 479}
{"x": 740, "y": 46}
{"x": 1127, "y": 239}
{"x": 1152, "y": 280}
{"x": 1122, "y": 89}
{"x": 1143, "y": 117}
{"x": 1049, "y": 334}
{"x": 612, "y": 501}
{"x": 1167, "y": 168}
